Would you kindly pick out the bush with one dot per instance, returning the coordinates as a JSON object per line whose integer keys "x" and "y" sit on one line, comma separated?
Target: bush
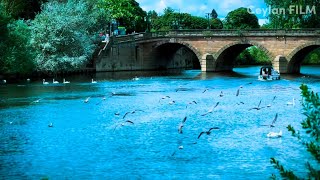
{"x": 311, "y": 127}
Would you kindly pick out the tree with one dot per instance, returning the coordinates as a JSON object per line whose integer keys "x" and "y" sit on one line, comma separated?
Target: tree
{"x": 173, "y": 20}
{"x": 313, "y": 57}
{"x": 309, "y": 137}
{"x": 64, "y": 35}
{"x": 25, "y": 9}
{"x": 127, "y": 12}
{"x": 216, "y": 23}
{"x": 241, "y": 19}
{"x": 16, "y": 52}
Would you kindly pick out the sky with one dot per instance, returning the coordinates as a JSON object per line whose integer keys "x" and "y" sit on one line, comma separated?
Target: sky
{"x": 201, "y": 7}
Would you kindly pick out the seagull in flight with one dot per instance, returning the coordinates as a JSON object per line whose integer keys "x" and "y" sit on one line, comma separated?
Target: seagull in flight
{"x": 258, "y": 107}
{"x": 50, "y": 124}
{"x": 238, "y": 91}
{"x": 165, "y": 97}
{"x": 182, "y": 124}
{"x": 103, "y": 99}
{"x": 211, "y": 109}
{"x": 192, "y": 102}
{"x": 274, "y": 121}
{"x": 207, "y": 132}
{"x": 269, "y": 105}
{"x": 123, "y": 123}
{"x": 131, "y": 112}
{"x": 87, "y": 100}
{"x": 205, "y": 90}
{"x": 36, "y": 101}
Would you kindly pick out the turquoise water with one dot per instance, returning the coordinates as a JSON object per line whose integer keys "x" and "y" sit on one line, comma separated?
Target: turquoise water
{"x": 93, "y": 141}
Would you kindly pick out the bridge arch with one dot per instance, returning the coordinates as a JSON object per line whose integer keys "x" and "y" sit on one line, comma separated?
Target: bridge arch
{"x": 296, "y": 57}
{"x": 175, "y": 54}
{"x": 226, "y": 56}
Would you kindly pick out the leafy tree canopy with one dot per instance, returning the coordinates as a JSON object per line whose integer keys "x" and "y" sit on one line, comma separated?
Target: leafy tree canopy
{"x": 241, "y": 19}
{"x": 64, "y": 35}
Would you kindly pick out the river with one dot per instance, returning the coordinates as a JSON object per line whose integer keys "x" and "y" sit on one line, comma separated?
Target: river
{"x": 93, "y": 141}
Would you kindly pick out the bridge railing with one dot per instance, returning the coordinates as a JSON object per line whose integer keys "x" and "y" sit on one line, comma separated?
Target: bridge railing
{"x": 216, "y": 32}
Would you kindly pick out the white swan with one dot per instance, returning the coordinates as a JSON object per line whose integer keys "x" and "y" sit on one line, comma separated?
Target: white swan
{"x": 136, "y": 78}
{"x": 274, "y": 134}
{"x": 44, "y": 81}
{"x": 65, "y": 82}
{"x": 55, "y": 82}
{"x": 291, "y": 103}
{"x": 92, "y": 81}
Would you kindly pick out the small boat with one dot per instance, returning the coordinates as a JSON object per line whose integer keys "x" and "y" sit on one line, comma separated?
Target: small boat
{"x": 267, "y": 73}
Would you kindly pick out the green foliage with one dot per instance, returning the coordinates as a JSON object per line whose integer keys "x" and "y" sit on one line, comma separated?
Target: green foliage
{"x": 283, "y": 171}
{"x": 64, "y": 35}
{"x": 173, "y": 20}
{"x": 311, "y": 138}
{"x": 25, "y": 9}
{"x": 253, "y": 56}
{"x": 294, "y": 19}
{"x": 313, "y": 57}
{"x": 16, "y": 54}
{"x": 127, "y": 12}
{"x": 216, "y": 23}
{"x": 241, "y": 19}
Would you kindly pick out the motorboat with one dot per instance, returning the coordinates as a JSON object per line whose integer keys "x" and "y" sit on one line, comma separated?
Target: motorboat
{"x": 267, "y": 73}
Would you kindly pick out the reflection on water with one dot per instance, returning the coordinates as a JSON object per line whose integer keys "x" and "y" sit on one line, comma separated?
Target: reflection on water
{"x": 93, "y": 140}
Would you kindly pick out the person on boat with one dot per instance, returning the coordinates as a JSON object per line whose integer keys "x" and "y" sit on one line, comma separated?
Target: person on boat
{"x": 264, "y": 74}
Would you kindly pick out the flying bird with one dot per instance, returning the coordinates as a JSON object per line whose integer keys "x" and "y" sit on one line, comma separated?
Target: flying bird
{"x": 192, "y": 102}
{"x": 274, "y": 121}
{"x": 240, "y": 103}
{"x": 87, "y": 100}
{"x": 50, "y": 124}
{"x": 211, "y": 109}
{"x": 269, "y": 105}
{"x": 103, "y": 99}
{"x": 172, "y": 102}
{"x": 205, "y": 90}
{"x": 258, "y": 107}
{"x": 36, "y": 101}
{"x": 238, "y": 91}
{"x": 182, "y": 124}
{"x": 164, "y": 97}
{"x": 123, "y": 123}
{"x": 131, "y": 112}
{"x": 207, "y": 132}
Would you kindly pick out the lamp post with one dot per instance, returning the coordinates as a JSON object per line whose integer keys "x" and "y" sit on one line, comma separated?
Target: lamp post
{"x": 147, "y": 20}
{"x": 208, "y": 16}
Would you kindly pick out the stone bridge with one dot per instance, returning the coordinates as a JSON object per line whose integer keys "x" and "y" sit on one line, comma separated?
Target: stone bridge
{"x": 209, "y": 50}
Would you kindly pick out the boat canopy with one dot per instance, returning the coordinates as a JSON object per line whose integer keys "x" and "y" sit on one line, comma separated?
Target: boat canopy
{"x": 266, "y": 69}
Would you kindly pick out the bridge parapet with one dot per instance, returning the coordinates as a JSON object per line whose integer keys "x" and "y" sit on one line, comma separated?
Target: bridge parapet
{"x": 219, "y": 33}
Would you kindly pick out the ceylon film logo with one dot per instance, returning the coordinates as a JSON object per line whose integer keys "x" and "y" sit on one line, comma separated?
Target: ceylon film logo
{"x": 292, "y": 9}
